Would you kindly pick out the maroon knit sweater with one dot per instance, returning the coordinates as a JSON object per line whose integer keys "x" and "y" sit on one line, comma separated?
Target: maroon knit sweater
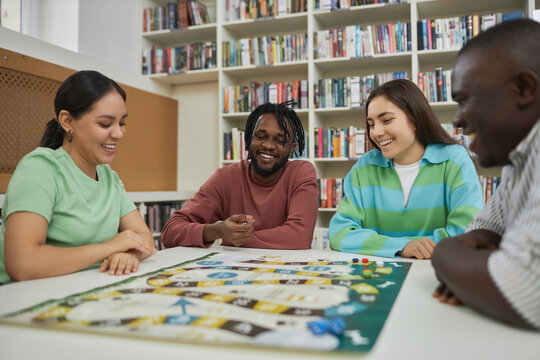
{"x": 285, "y": 211}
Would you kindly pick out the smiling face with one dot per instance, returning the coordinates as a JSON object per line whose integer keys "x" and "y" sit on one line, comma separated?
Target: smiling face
{"x": 269, "y": 150}
{"x": 96, "y": 133}
{"x": 392, "y": 131}
{"x": 482, "y": 85}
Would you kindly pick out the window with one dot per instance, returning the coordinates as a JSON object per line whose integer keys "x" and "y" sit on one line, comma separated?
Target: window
{"x": 10, "y": 14}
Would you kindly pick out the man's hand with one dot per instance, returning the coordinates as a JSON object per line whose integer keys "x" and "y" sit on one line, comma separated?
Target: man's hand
{"x": 477, "y": 239}
{"x": 420, "y": 249}
{"x": 445, "y": 295}
{"x": 237, "y": 229}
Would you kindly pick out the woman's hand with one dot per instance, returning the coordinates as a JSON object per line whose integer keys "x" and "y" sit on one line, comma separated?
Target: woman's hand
{"x": 420, "y": 249}
{"x": 128, "y": 240}
{"x": 120, "y": 264}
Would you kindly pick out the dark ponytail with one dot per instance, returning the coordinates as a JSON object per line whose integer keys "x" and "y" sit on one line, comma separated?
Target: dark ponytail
{"x": 53, "y": 135}
{"x": 76, "y": 95}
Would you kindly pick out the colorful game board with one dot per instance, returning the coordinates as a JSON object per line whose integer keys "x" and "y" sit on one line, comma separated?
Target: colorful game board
{"x": 263, "y": 301}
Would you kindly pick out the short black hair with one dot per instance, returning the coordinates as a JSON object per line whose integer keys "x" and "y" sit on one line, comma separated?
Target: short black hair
{"x": 283, "y": 112}
{"x": 522, "y": 35}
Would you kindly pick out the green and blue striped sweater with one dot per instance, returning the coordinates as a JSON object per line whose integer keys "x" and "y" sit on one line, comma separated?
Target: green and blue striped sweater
{"x": 371, "y": 218}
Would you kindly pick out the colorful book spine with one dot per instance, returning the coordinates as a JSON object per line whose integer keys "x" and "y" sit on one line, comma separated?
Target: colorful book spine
{"x": 452, "y": 33}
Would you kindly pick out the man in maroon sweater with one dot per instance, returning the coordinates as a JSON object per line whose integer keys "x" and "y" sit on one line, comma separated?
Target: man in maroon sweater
{"x": 265, "y": 202}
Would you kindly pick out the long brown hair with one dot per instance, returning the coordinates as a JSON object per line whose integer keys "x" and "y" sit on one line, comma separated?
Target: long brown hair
{"x": 407, "y": 96}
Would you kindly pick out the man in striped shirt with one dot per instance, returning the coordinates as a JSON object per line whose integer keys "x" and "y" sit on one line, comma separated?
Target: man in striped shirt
{"x": 496, "y": 82}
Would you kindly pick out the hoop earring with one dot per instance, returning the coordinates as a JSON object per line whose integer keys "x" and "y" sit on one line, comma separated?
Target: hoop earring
{"x": 69, "y": 136}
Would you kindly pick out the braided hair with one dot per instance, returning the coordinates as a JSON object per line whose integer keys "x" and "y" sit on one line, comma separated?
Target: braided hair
{"x": 283, "y": 113}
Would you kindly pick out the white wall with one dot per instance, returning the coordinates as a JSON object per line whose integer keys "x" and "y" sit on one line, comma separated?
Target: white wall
{"x": 107, "y": 30}
{"x": 197, "y": 133}
{"x": 110, "y": 31}
{"x": 27, "y": 45}
{"x": 53, "y": 21}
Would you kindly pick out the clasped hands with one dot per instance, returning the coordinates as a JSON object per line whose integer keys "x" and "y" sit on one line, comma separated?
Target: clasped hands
{"x": 127, "y": 249}
{"x": 236, "y": 229}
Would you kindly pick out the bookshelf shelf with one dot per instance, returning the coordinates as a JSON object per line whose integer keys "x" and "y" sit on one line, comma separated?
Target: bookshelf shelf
{"x": 244, "y": 115}
{"x": 436, "y": 56}
{"x": 299, "y": 68}
{"x": 324, "y": 160}
{"x": 327, "y": 209}
{"x": 444, "y": 105}
{"x": 160, "y": 196}
{"x": 338, "y": 111}
{"x": 180, "y": 36}
{"x": 189, "y": 77}
{"x": 363, "y": 14}
{"x": 442, "y": 8}
{"x": 285, "y": 23}
{"x": 379, "y": 60}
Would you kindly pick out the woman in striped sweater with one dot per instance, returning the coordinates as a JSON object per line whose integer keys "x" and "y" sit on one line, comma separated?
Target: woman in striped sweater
{"x": 415, "y": 188}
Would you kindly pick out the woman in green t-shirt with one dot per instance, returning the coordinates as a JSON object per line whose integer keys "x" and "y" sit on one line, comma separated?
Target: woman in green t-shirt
{"x": 65, "y": 209}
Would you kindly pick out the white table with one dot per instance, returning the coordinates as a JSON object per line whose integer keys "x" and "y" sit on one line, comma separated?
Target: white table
{"x": 418, "y": 327}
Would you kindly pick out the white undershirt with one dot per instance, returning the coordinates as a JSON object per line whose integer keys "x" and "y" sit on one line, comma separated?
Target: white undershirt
{"x": 407, "y": 174}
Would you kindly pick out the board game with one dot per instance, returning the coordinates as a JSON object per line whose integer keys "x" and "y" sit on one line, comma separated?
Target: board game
{"x": 312, "y": 304}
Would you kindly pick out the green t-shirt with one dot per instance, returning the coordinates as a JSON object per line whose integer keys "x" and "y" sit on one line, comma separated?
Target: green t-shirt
{"x": 79, "y": 210}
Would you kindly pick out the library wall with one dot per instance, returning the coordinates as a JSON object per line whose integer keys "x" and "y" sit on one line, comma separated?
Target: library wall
{"x": 146, "y": 160}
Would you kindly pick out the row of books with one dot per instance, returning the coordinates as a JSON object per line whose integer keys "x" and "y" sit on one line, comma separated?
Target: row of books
{"x": 489, "y": 185}
{"x": 436, "y": 84}
{"x": 357, "y": 41}
{"x": 351, "y": 91}
{"x": 452, "y": 33}
{"x": 257, "y": 9}
{"x": 243, "y": 98}
{"x": 177, "y": 60}
{"x": 234, "y": 145}
{"x": 265, "y": 50}
{"x": 174, "y": 15}
{"x": 351, "y": 142}
{"x": 330, "y": 192}
{"x": 346, "y": 4}
{"x": 156, "y": 216}
{"x": 457, "y": 134}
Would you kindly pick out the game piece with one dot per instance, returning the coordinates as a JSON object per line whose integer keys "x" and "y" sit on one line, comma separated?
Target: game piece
{"x": 367, "y": 273}
{"x": 336, "y": 326}
{"x": 355, "y": 261}
{"x": 317, "y": 327}
{"x": 379, "y": 263}
{"x": 365, "y": 261}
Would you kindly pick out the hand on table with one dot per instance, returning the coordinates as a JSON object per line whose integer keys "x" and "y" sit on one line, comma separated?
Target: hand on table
{"x": 237, "y": 229}
{"x": 128, "y": 240}
{"x": 420, "y": 249}
{"x": 120, "y": 264}
{"x": 445, "y": 295}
